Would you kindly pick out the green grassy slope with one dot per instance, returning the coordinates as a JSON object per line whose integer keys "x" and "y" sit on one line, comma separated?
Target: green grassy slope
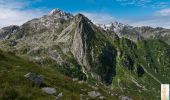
{"x": 141, "y": 68}
{"x": 14, "y": 86}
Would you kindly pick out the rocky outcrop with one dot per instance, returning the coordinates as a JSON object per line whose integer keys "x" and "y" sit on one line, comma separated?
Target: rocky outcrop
{"x": 49, "y": 90}
{"x": 123, "y": 97}
{"x": 7, "y": 31}
{"x": 81, "y": 40}
{"x": 94, "y": 94}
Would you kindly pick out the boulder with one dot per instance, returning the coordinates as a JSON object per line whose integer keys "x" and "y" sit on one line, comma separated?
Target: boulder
{"x": 101, "y": 97}
{"x": 94, "y": 94}
{"x": 123, "y": 97}
{"x": 49, "y": 90}
{"x": 36, "y": 79}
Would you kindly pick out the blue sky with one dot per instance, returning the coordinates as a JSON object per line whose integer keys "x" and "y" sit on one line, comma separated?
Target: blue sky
{"x": 155, "y": 13}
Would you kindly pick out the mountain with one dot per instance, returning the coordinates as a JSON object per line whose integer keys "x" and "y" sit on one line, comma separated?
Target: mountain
{"x": 121, "y": 60}
{"x": 138, "y": 33}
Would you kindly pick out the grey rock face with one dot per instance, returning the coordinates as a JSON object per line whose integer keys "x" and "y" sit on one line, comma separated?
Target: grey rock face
{"x": 81, "y": 38}
{"x": 7, "y": 31}
{"x": 49, "y": 90}
{"x": 94, "y": 94}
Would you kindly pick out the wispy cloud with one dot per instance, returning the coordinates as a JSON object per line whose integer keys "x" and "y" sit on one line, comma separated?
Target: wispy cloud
{"x": 163, "y": 12}
{"x": 14, "y": 12}
{"x": 160, "y": 18}
{"x": 145, "y": 3}
{"x": 160, "y": 4}
{"x": 13, "y": 4}
{"x": 99, "y": 18}
{"x": 156, "y": 19}
{"x": 153, "y": 22}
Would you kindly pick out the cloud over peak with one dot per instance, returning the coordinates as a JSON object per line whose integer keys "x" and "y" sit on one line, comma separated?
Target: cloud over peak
{"x": 99, "y": 18}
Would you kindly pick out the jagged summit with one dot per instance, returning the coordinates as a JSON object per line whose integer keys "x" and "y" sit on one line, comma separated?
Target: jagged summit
{"x": 82, "y": 17}
{"x": 60, "y": 14}
{"x": 55, "y": 11}
{"x": 114, "y": 25}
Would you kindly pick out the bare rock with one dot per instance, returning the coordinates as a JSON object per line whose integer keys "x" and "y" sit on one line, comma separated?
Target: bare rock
{"x": 49, "y": 90}
{"x": 123, "y": 97}
{"x": 94, "y": 94}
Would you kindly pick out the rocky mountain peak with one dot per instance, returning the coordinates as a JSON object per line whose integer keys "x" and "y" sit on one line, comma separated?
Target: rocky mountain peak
{"x": 117, "y": 25}
{"x": 113, "y": 26}
{"x": 60, "y": 14}
{"x": 55, "y": 11}
{"x": 79, "y": 15}
{"x": 81, "y": 18}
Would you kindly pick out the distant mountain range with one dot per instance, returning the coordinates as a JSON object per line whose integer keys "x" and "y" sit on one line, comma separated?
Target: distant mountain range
{"x": 121, "y": 61}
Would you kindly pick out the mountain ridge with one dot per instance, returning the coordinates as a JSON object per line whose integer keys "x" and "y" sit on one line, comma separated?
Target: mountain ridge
{"x": 138, "y": 33}
{"x": 122, "y": 30}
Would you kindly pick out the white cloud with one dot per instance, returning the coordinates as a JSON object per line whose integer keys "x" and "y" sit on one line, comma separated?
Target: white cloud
{"x": 17, "y": 17}
{"x": 160, "y": 5}
{"x": 155, "y": 22}
{"x": 99, "y": 18}
{"x": 163, "y": 12}
{"x": 134, "y": 2}
{"x": 12, "y": 13}
{"x": 145, "y": 3}
{"x": 160, "y": 18}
